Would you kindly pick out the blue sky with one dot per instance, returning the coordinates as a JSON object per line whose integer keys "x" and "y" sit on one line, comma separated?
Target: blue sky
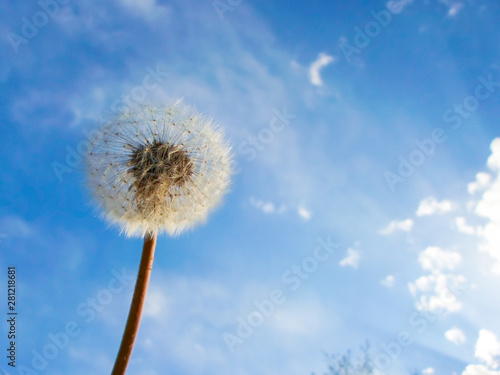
{"x": 369, "y": 125}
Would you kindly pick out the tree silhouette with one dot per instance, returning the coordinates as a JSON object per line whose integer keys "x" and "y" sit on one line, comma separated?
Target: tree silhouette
{"x": 361, "y": 364}
{"x": 347, "y": 365}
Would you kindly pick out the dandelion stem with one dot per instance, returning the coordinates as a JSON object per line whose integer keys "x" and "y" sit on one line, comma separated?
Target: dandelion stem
{"x": 134, "y": 316}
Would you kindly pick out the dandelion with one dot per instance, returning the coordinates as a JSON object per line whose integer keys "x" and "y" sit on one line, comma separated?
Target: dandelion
{"x": 152, "y": 170}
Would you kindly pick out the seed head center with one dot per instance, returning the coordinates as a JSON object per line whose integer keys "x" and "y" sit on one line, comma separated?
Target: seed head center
{"x": 157, "y": 167}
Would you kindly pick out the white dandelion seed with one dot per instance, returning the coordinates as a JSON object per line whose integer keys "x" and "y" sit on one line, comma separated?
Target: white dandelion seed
{"x": 155, "y": 169}
{"x": 158, "y": 169}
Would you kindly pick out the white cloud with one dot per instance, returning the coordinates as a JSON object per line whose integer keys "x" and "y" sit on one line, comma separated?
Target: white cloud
{"x": 494, "y": 160}
{"x": 482, "y": 181}
{"x": 442, "y": 279}
{"x": 388, "y": 281}
{"x": 315, "y": 68}
{"x": 436, "y": 293}
{"x": 479, "y": 370}
{"x": 422, "y": 284}
{"x": 436, "y": 260}
{"x": 455, "y": 335}
{"x": 488, "y": 348}
{"x": 489, "y": 207}
{"x": 265, "y": 207}
{"x": 304, "y": 213}
{"x": 269, "y": 208}
{"x": 352, "y": 259}
{"x": 428, "y": 371}
{"x": 403, "y": 225}
{"x": 453, "y": 7}
{"x": 463, "y": 226}
{"x": 431, "y": 206}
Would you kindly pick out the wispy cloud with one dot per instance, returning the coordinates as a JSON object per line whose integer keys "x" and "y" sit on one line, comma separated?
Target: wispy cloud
{"x": 147, "y": 8}
{"x": 316, "y": 67}
{"x": 454, "y": 7}
{"x": 403, "y": 225}
{"x": 16, "y": 226}
{"x": 304, "y": 213}
{"x": 431, "y": 206}
{"x": 397, "y": 6}
{"x": 156, "y": 304}
{"x": 351, "y": 259}
{"x": 388, "y": 281}
{"x": 299, "y": 319}
{"x": 267, "y": 207}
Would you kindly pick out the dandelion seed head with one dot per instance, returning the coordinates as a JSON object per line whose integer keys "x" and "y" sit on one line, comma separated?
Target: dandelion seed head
{"x": 158, "y": 169}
